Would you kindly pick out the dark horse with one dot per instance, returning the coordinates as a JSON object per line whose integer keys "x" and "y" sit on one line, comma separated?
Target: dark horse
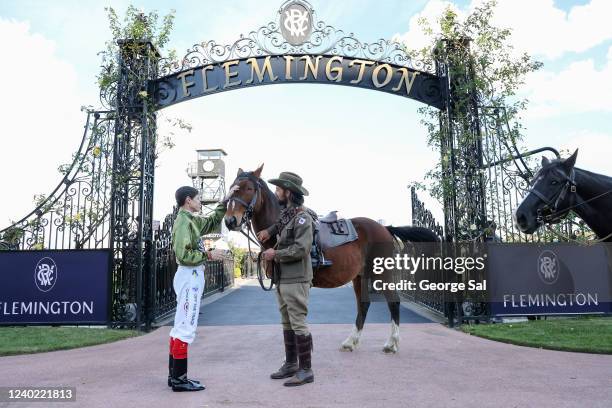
{"x": 560, "y": 187}
{"x": 254, "y": 202}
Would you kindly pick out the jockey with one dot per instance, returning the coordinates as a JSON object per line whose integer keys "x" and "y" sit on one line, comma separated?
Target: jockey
{"x": 189, "y": 281}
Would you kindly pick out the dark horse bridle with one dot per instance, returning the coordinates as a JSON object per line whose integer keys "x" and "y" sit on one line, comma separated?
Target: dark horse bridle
{"x": 249, "y": 208}
{"x": 549, "y": 213}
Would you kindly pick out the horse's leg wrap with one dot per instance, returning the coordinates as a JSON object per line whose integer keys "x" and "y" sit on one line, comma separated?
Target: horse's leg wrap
{"x": 392, "y": 345}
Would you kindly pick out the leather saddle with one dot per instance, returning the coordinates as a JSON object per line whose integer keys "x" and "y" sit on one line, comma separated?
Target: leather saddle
{"x": 330, "y": 232}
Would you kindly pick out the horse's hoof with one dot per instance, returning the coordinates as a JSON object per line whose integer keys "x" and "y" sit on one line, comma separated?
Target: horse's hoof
{"x": 389, "y": 349}
{"x": 347, "y": 347}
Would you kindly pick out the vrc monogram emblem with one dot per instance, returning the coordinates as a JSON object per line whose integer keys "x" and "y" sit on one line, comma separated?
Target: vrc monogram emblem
{"x": 45, "y": 274}
{"x": 548, "y": 267}
{"x": 296, "y": 22}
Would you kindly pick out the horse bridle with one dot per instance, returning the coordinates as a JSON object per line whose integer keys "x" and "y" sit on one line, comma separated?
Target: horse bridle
{"x": 550, "y": 214}
{"x": 246, "y": 220}
{"x": 248, "y": 207}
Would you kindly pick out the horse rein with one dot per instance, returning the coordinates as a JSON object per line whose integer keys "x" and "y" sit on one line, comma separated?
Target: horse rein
{"x": 246, "y": 221}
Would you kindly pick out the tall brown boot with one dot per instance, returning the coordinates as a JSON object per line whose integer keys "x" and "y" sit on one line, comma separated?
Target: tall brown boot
{"x": 304, "y": 375}
{"x": 290, "y": 365}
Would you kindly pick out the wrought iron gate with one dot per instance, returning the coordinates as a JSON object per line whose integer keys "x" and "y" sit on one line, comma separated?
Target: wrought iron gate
{"x": 505, "y": 172}
{"x": 105, "y": 199}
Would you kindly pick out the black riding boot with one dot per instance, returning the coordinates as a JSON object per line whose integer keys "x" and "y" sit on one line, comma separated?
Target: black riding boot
{"x": 170, "y": 365}
{"x": 290, "y": 366}
{"x": 304, "y": 375}
{"x": 179, "y": 379}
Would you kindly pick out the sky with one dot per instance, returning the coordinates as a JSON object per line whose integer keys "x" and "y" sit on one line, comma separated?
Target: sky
{"x": 356, "y": 150}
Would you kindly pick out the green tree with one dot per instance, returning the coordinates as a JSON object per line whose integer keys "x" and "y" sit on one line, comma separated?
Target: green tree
{"x": 498, "y": 71}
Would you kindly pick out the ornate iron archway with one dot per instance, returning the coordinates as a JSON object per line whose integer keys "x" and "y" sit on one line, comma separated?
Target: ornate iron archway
{"x": 106, "y": 197}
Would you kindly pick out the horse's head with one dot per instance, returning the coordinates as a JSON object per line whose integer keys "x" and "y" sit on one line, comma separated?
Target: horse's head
{"x": 241, "y": 205}
{"x": 549, "y": 196}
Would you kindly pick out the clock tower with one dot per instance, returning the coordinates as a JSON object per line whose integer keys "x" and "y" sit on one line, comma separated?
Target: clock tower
{"x": 208, "y": 176}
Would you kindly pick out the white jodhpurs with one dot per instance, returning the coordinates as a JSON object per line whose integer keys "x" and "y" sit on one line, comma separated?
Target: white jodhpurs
{"x": 188, "y": 285}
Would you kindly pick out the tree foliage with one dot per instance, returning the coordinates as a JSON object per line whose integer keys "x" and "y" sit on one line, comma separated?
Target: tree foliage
{"x": 135, "y": 25}
{"x": 497, "y": 73}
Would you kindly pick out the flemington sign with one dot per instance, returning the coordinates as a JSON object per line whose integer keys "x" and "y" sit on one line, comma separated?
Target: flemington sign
{"x": 324, "y": 69}
{"x": 55, "y": 286}
{"x": 545, "y": 279}
{"x": 296, "y": 28}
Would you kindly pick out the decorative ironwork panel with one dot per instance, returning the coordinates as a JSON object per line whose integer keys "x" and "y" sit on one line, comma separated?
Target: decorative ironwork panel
{"x": 297, "y": 48}
{"x": 132, "y": 188}
{"x": 507, "y": 179}
{"x": 422, "y": 217}
{"x": 270, "y": 40}
{"x": 75, "y": 214}
{"x": 461, "y": 146}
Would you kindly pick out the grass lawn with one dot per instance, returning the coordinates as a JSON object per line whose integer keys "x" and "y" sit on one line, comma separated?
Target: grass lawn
{"x": 37, "y": 339}
{"x": 584, "y": 334}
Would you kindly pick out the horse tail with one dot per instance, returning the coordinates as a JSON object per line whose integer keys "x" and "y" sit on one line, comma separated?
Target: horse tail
{"x": 413, "y": 234}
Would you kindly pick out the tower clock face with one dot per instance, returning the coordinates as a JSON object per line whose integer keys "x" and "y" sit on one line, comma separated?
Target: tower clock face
{"x": 208, "y": 165}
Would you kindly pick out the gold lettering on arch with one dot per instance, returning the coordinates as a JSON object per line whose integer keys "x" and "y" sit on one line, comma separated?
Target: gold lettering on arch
{"x": 389, "y": 75}
{"x": 205, "y": 79}
{"x": 362, "y": 64}
{"x": 405, "y": 79}
{"x": 261, "y": 72}
{"x": 335, "y": 73}
{"x": 185, "y": 84}
{"x": 229, "y": 75}
{"x": 288, "y": 60}
{"x": 309, "y": 66}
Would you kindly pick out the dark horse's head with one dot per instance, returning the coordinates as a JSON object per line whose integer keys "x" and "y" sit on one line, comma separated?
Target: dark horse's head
{"x": 550, "y": 195}
{"x": 241, "y": 205}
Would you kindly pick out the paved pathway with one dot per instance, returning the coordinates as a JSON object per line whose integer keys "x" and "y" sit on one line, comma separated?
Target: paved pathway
{"x": 251, "y": 305}
{"x": 435, "y": 367}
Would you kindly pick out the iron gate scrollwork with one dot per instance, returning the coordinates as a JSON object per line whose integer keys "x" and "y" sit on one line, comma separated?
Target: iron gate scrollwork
{"x": 507, "y": 173}
{"x": 131, "y": 211}
{"x": 105, "y": 199}
{"x": 75, "y": 214}
{"x": 434, "y": 300}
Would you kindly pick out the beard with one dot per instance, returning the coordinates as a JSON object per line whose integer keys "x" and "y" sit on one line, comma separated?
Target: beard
{"x": 282, "y": 201}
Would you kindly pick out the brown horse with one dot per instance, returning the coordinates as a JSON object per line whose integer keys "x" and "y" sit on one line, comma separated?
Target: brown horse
{"x": 254, "y": 202}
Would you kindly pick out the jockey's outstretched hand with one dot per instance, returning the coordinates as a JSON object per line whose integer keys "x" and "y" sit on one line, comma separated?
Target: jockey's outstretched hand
{"x": 231, "y": 192}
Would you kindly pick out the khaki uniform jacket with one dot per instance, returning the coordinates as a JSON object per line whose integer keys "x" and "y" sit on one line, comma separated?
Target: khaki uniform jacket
{"x": 187, "y": 233}
{"x": 293, "y": 250}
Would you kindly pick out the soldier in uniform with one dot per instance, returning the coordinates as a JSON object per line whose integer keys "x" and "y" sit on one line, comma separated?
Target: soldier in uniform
{"x": 292, "y": 255}
{"x": 188, "y": 281}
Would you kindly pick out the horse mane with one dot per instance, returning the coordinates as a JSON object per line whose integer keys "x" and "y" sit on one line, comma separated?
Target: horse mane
{"x": 601, "y": 178}
{"x": 597, "y": 177}
{"x": 266, "y": 190}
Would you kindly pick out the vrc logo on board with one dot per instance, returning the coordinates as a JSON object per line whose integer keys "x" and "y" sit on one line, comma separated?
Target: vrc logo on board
{"x": 296, "y": 22}
{"x": 548, "y": 267}
{"x": 45, "y": 274}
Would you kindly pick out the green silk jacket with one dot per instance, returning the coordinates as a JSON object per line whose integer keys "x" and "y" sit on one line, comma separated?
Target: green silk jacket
{"x": 187, "y": 233}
